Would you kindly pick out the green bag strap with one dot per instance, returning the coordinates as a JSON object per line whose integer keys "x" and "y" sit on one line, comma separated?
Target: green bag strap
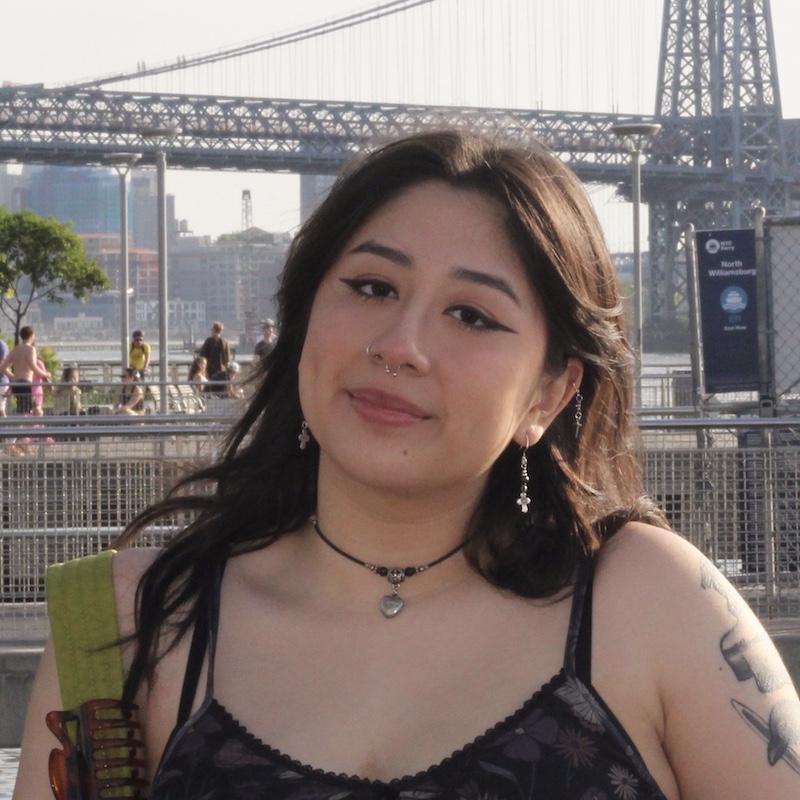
{"x": 83, "y": 618}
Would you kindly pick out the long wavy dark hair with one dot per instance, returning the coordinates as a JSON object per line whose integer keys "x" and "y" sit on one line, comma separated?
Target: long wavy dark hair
{"x": 583, "y": 484}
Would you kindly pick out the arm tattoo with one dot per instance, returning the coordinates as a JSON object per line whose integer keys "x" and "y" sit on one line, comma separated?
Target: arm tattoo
{"x": 779, "y": 732}
{"x": 754, "y": 658}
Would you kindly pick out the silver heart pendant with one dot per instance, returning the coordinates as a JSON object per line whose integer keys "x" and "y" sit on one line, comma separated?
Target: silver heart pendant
{"x": 391, "y": 605}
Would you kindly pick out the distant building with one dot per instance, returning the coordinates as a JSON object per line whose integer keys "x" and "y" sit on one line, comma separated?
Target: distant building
{"x": 313, "y": 190}
{"x": 233, "y": 279}
{"x": 88, "y": 198}
{"x": 13, "y": 188}
{"x": 80, "y": 324}
{"x": 236, "y": 275}
{"x": 186, "y": 317}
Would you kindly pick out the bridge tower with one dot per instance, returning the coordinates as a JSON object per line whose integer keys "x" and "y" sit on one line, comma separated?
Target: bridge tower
{"x": 718, "y": 77}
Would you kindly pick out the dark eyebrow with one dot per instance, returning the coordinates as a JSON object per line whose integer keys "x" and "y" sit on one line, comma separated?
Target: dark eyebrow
{"x": 382, "y": 250}
{"x": 485, "y": 279}
{"x": 460, "y": 273}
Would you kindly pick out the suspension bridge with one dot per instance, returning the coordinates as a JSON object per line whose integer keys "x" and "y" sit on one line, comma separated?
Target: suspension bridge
{"x": 724, "y": 147}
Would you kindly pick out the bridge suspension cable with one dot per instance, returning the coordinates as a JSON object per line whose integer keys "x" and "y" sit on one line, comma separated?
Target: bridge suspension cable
{"x": 281, "y": 40}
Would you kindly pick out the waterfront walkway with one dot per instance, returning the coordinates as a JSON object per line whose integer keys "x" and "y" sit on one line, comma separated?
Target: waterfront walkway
{"x": 9, "y": 758}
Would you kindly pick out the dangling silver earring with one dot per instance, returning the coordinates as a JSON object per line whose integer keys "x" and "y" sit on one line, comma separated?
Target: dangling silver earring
{"x": 578, "y": 411}
{"x": 305, "y": 437}
{"x": 523, "y": 501}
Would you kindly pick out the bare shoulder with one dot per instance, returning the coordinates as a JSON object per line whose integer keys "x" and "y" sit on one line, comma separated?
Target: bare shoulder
{"x": 131, "y": 562}
{"x": 659, "y": 594}
{"x": 650, "y": 548}
{"x": 129, "y": 566}
{"x": 699, "y": 661}
{"x": 668, "y": 584}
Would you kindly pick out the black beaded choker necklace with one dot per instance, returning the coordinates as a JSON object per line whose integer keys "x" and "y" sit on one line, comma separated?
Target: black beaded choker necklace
{"x": 391, "y": 604}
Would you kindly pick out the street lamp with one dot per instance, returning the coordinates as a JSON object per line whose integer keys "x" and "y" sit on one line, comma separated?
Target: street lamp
{"x": 635, "y": 135}
{"x": 123, "y": 163}
{"x": 159, "y": 135}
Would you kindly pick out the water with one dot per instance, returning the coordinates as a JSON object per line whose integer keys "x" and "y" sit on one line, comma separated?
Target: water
{"x": 9, "y": 760}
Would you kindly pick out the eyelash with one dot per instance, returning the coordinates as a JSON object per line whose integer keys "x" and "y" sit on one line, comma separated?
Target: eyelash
{"x": 357, "y": 286}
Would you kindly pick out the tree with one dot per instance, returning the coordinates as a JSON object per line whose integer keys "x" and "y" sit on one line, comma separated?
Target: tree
{"x": 41, "y": 259}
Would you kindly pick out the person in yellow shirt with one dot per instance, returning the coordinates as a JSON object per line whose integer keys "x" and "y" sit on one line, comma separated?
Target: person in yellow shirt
{"x": 139, "y": 353}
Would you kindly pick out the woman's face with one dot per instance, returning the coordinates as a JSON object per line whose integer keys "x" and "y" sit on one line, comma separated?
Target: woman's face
{"x": 431, "y": 285}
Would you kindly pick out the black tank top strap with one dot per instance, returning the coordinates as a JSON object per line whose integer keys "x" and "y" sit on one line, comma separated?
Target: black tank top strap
{"x": 204, "y": 639}
{"x": 578, "y": 655}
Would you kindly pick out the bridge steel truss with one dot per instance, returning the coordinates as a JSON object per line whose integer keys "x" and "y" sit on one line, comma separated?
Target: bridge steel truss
{"x": 81, "y": 126}
{"x": 723, "y": 150}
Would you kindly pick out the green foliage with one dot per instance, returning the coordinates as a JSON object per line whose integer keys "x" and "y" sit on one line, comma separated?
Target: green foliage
{"x": 41, "y": 259}
{"x": 51, "y": 361}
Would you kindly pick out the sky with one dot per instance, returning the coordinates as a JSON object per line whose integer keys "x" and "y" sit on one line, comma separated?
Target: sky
{"x": 595, "y": 55}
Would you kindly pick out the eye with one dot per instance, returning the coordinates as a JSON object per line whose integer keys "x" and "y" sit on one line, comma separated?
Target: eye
{"x": 475, "y": 320}
{"x": 370, "y": 288}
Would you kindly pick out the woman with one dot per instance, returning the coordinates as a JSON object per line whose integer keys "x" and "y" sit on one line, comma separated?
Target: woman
{"x": 37, "y": 391}
{"x": 67, "y": 393}
{"x": 130, "y": 396}
{"x": 431, "y": 498}
{"x": 198, "y": 374}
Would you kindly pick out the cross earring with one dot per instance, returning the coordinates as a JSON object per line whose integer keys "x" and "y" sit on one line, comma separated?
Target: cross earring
{"x": 578, "y": 411}
{"x": 523, "y": 501}
{"x": 305, "y": 437}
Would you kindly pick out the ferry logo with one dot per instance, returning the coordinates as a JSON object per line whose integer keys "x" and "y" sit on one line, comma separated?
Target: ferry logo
{"x": 734, "y": 299}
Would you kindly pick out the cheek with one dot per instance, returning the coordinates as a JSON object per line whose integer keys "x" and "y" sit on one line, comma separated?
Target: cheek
{"x": 322, "y": 351}
{"x": 496, "y": 396}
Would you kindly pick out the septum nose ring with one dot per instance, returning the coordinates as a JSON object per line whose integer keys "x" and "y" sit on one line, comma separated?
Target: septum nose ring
{"x": 394, "y": 372}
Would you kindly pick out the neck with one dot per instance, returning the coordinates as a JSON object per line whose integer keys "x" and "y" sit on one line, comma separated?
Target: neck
{"x": 392, "y": 544}
{"x": 389, "y": 526}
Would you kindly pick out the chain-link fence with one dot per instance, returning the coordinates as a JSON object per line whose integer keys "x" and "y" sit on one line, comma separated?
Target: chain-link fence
{"x": 782, "y": 251}
{"x": 68, "y": 489}
{"x": 732, "y": 487}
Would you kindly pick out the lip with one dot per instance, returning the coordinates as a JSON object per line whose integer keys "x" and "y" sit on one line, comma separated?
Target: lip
{"x": 385, "y": 408}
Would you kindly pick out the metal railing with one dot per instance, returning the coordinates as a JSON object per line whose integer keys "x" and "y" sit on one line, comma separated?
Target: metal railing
{"x": 70, "y": 484}
{"x": 730, "y": 486}
{"x": 52, "y": 399}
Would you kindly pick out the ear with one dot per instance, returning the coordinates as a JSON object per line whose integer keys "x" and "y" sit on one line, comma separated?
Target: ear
{"x": 553, "y": 395}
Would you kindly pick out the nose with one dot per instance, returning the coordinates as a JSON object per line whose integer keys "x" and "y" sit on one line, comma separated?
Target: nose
{"x": 401, "y": 348}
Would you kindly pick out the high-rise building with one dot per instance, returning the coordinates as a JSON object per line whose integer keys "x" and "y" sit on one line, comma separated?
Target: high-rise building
{"x": 88, "y": 198}
{"x": 233, "y": 279}
{"x": 236, "y": 275}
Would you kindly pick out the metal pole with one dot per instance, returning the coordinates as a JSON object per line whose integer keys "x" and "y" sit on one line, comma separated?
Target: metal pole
{"x": 766, "y": 371}
{"x": 161, "y": 134}
{"x": 696, "y": 340}
{"x": 163, "y": 299}
{"x": 636, "y": 160}
{"x": 124, "y": 276}
{"x": 635, "y": 134}
{"x": 123, "y": 163}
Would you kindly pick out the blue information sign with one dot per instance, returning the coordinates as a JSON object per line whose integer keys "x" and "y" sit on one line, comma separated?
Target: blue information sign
{"x": 726, "y": 267}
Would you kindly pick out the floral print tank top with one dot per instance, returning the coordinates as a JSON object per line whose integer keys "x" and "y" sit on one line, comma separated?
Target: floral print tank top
{"x": 564, "y": 743}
